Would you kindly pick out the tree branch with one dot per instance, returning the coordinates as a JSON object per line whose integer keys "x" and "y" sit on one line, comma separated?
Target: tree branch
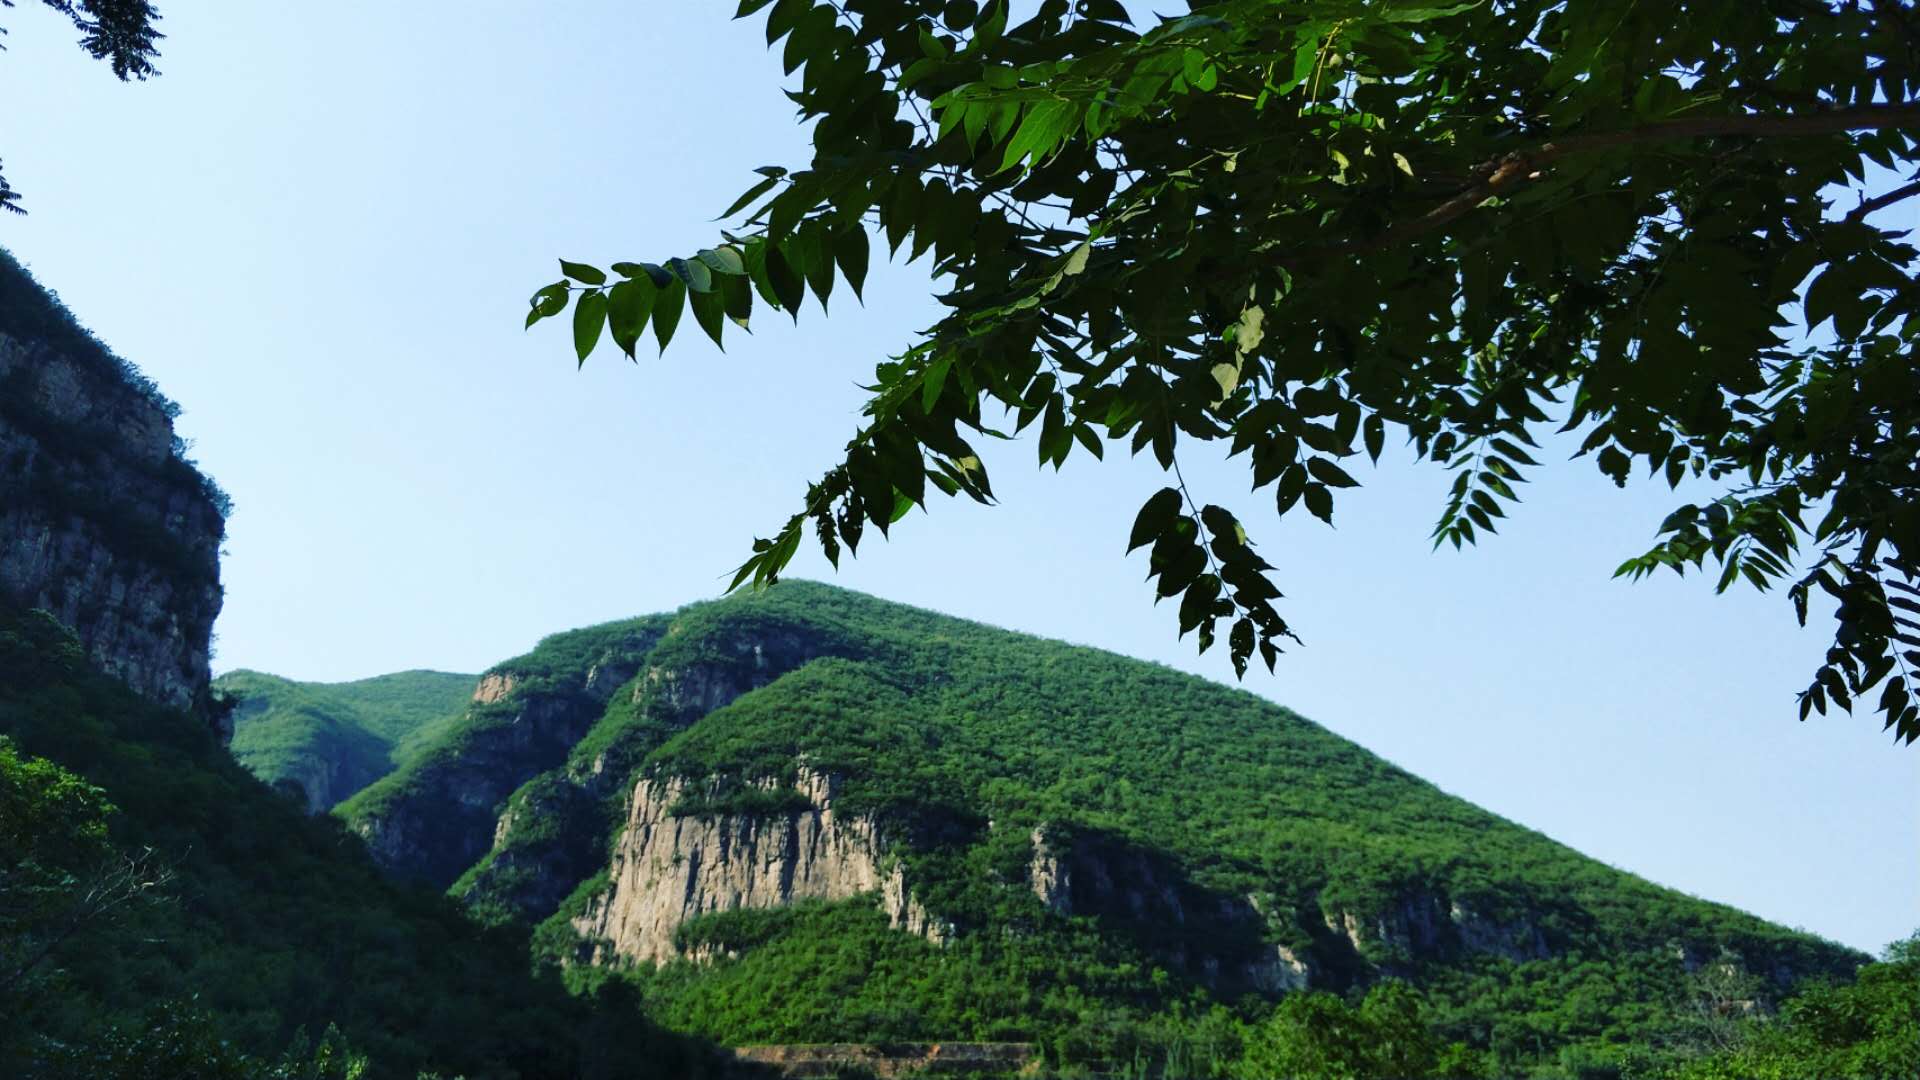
{"x": 1881, "y": 202}
{"x": 1512, "y": 171}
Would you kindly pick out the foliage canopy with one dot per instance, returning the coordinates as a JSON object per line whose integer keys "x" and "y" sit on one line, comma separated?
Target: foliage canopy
{"x": 1293, "y": 228}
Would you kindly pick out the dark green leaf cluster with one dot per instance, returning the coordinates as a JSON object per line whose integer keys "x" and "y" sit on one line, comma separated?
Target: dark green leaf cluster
{"x": 1292, "y": 229}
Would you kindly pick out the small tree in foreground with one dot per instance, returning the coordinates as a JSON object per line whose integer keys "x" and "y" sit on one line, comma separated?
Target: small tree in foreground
{"x": 1295, "y": 228}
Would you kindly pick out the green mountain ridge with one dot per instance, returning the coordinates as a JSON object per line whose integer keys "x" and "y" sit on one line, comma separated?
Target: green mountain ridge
{"x": 322, "y": 742}
{"x": 1024, "y": 840}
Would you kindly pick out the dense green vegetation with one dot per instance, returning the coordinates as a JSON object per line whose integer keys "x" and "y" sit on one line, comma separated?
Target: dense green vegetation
{"x": 1870, "y": 1028}
{"x": 266, "y": 927}
{"x": 960, "y": 740}
{"x": 348, "y": 734}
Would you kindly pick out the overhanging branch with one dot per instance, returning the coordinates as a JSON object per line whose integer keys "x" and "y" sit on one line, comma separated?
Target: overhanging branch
{"x": 1515, "y": 170}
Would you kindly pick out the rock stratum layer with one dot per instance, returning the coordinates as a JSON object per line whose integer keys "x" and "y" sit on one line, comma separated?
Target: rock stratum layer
{"x": 103, "y": 521}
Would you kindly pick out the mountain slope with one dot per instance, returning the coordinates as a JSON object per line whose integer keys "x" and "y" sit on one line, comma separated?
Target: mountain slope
{"x": 275, "y": 923}
{"x": 326, "y": 741}
{"x": 810, "y": 815}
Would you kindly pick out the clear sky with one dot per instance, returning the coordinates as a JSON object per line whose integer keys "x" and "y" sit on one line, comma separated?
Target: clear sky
{"x": 318, "y": 230}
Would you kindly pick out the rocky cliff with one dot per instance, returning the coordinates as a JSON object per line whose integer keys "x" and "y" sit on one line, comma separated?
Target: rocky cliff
{"x": 436, "y": 815}
{"x": 553, "y": 832}
{"x": 671, "y": 865}
{"x": 103, "y": 521}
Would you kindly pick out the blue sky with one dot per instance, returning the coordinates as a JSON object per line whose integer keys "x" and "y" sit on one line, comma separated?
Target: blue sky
{"x": 318, "y": 230}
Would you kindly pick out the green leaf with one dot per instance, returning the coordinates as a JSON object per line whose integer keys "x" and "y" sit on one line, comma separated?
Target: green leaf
{"x": 1293, "y": 483}
{"x": 1197, "y": 605}
{"x": 753, "y": 193}
{"x": 1330, "y": 474}
{"x": 736, "y": 295}
{"x": 652, "y": 271}
{"x": 1077, "y": 258}
{"x": 1155, "y": 516}
{"x": 666, "y": 312}
{"x": 693, "y": 272}
{"x": 589, "y": 318}
{"x": 785, "y": 280}
{"x": 549, "y": 301}
{"x": 816, "y": 259}
{"x": 709, "y": 311}
{"x": 1376, "y": 436}
{"x": 850, "y": 252}
{"x": 583, "y": 273}
{"x": 1319, "y": 502}
{"x": 722, "y": 260}
{"x": 629, "y": 303}
{"x": 932, "y": 382}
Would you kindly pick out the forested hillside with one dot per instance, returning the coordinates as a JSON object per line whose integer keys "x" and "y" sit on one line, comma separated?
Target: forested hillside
{"x": 262, "y": 927}
{"x": 810, "y": 815}
{"x": 325, "y": 741}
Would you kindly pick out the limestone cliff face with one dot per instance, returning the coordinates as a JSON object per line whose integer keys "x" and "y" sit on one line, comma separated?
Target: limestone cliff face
{"x": 102, "y": 521}
{"x": 668, "y": 869}
{"x": 529, "y": 871}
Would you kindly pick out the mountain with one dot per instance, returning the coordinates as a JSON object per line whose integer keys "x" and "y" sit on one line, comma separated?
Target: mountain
{"x": 809, "y": 815}
{"x": 324, "y": 741}
{"x": 267, "y": 927}
{"x": 162, "y": 912}
{"x": 103, "y": 519}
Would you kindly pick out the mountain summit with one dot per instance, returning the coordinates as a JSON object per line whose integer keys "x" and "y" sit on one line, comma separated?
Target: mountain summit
{"x": 811, "y": 815}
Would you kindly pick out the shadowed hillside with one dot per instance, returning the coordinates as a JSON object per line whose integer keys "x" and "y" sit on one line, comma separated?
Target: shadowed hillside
{"x": 325, "y": 741}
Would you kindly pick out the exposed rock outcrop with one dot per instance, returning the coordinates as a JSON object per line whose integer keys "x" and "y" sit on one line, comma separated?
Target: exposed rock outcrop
{"x": 527, "y": 873}
{"x": 668, "y": 868}
{"x": 1516, "y": 939}
{"x": 1423, "y": 925}
{"x": 894, "y": 1059}
{"x": 494, "y": 686}
{"x": 1224, "y": 940}
{"x": 103, "y": 523}
{"x": 436, "y": 817}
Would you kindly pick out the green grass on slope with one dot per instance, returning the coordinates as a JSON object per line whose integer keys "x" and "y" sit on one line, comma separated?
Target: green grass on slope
{"x": 360, "y": 731}
{"x": 277, "y": 923}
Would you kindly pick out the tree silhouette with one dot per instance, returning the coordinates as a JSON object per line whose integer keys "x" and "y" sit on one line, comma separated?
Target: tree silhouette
{"x": 121, "y": 32}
